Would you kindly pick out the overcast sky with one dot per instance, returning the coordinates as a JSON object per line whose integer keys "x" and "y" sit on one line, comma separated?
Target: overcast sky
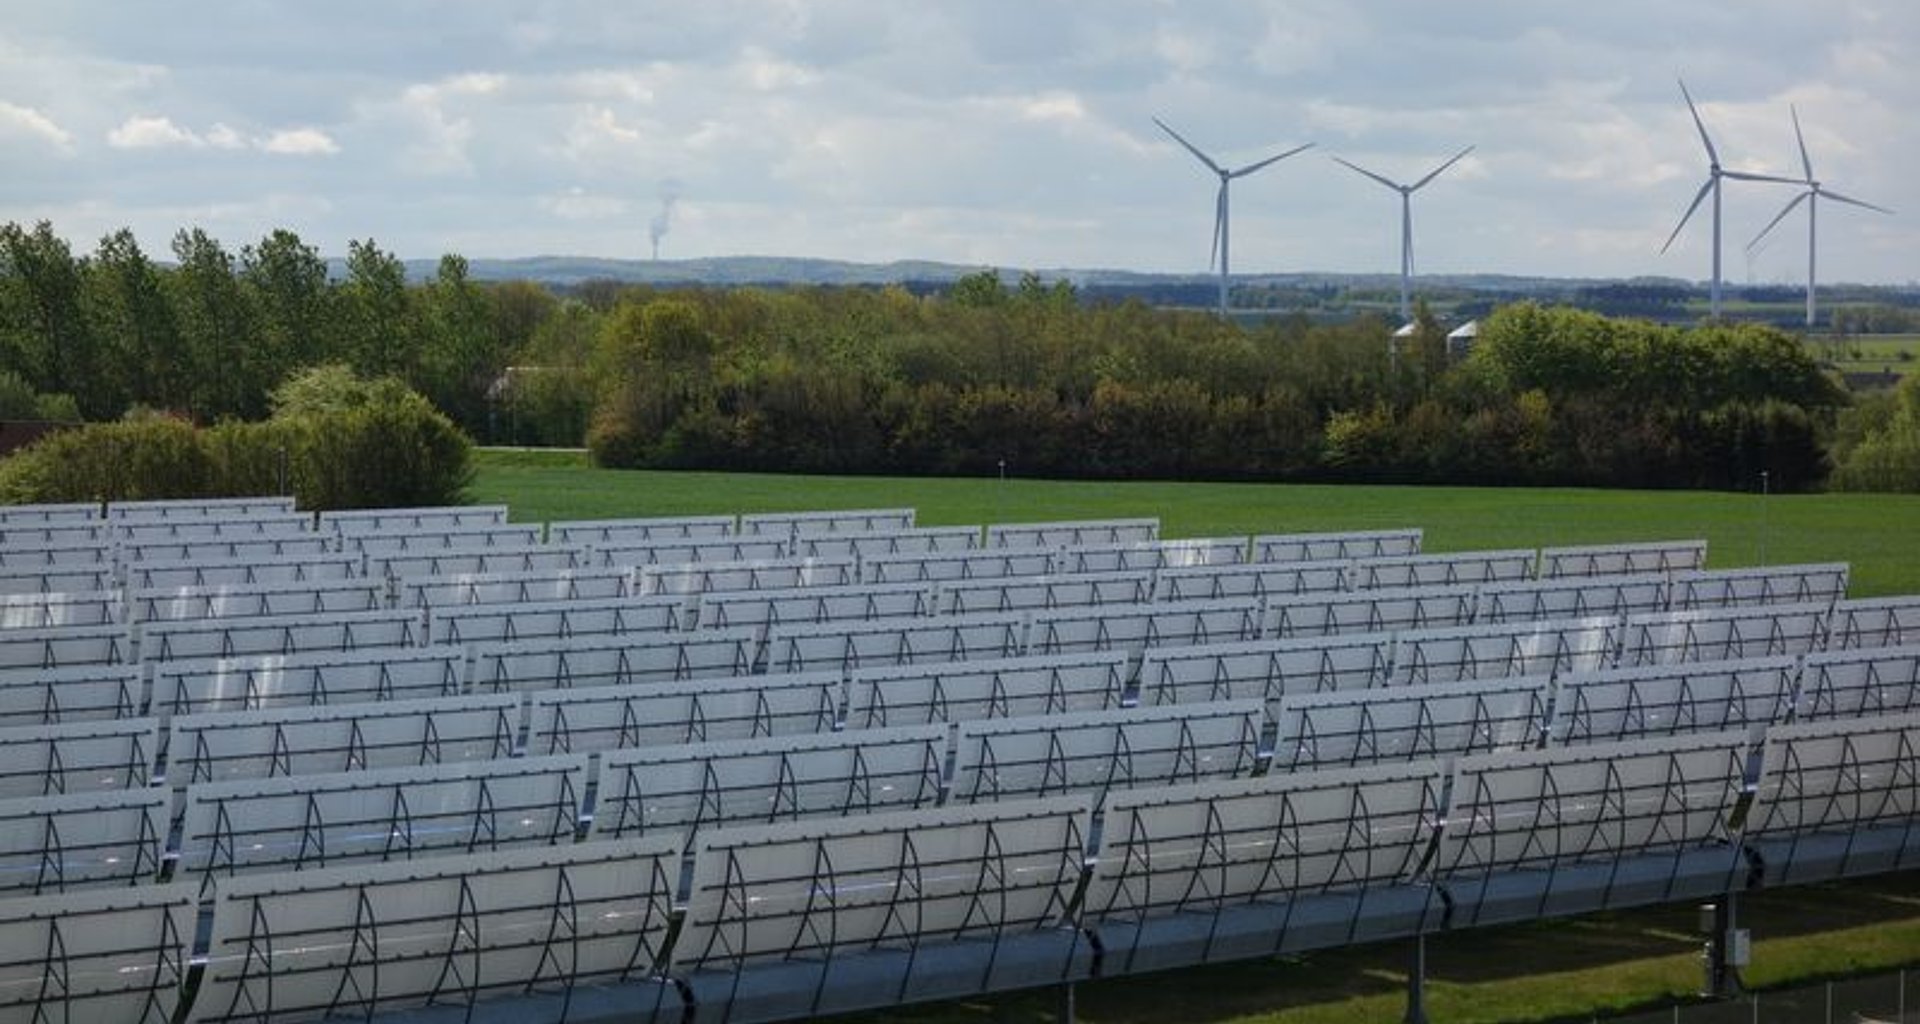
{"x": 1014, "y": 133}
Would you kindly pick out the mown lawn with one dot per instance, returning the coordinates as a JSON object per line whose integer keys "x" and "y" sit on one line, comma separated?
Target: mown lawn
{"x": 1878, "y": 534}
{"x": 1559, "y": 970}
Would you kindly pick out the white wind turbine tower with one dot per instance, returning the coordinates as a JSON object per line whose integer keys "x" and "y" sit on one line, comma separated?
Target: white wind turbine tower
{"x": 1220, "y": 233}
{"x": 1714, "y": 173}
{"x": 1811, "y": 196}
{"x": 1406, "y": 222}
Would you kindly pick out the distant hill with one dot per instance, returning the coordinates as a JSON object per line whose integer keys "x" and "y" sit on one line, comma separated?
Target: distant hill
{"x": 1317, "y": 295}
{"x": 741, "y": 270}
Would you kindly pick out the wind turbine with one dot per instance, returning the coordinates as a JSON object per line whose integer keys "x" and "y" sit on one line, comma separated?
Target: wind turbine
{"x": 1714, "y": 173}
{"x": 1220, "y": 233}
{"x": 1406, "y": 222}
{"x": 1812, "y": 198}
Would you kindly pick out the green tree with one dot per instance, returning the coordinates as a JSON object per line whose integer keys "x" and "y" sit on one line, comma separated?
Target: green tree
{"x": 127, "y": 303}
{"x": 286, "y": 280}
{"x": 377, "y": 323}
{"x": 43, "y": 326}
{"x": 219, "y": 328}
{"x": 463, "y": 355}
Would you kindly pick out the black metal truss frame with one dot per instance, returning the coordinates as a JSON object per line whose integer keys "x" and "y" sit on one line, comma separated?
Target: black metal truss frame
{"x": 1073, "y": 762}
{"x": 461, "y": 954}
{"x": 628, "y": 790}
{"x": 973, "y": 691}
{"x": 1375, "y": 739}
{"x": 263, "y": 680}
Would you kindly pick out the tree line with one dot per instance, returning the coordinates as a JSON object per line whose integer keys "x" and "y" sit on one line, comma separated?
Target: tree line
{"x": 210, "y": 333}
{"x": 988, "y": 372}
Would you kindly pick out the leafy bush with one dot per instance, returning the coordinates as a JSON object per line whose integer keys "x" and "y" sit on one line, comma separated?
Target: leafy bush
{"x": 382, "y": 446}
{"x": 1885, "y": 455}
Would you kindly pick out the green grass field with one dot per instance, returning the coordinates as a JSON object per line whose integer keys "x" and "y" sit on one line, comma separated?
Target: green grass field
{"x": 1878, "y": 533}
{"x": 1561, "y": 970}
{"x": 1899, "y": 353}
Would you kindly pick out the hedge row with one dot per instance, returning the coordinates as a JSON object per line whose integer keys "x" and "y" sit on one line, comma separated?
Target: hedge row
{"x": 398, "y": 451}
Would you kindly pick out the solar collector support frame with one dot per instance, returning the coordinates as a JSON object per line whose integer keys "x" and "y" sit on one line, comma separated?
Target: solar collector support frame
{"x": 202, "y": 572}
{"x": 1638, "y": 703}
{"x": 1556, "y": 832}
{"x": 1321, "y": 547}
{"x": 1098, "y": 751}
{"x": 1545, "y": 648}
{"x": 309, "y": 822}
{"x": 993, "y": 688}
{"x": 1069, "y": 533}
{"x": 1265, "y": 669}
{"x": 811, "y": 918}
{"x": 1875, "y": 622}
{"x": 1724, "y": 634}
{"x": 1354, "y": 728}
{"x": 1858, "y": 682}
{"x": 240, "y": 745}
{"x": 53, "y": 610}
{"x": 1367, "y": 611}
{"x": 109, "y": 956}
{"x": 1258, "y": 580}
{"x": 598, "y": 719}
{"x": 504, "y": 623}
{"x": 300, "y": 680}
{"x": 986, "y": 563}
{"x": 1837, "y": 799}
{"x": 82, "y": 757}
{"x": 766, "y": 781}
{"x": 245, "y": 600}
{"x": 110, "y": 838}
{"x": 463, "y": 590}
{"x": 1025, "y": 593}
{"x": 199, "y": 639}
{"x": 85, "y": 693}
{"x": 612, "y": 660}
{"x": 574, "y": 932}
{"x": 1270, "y": 865}
{"x": 1136, "y": 628}
{"x": 1572, "y": 597}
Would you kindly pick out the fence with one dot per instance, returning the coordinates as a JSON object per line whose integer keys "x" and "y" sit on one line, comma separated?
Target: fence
{"x": 1877, "y": 999}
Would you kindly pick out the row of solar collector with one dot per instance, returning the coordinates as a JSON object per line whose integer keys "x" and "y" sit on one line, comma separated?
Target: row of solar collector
{"x": 814, "y": 590}
{"x": 252, "y": 550}
{"x": 1164, "y": 656}
{"x": 483, "y": 608}
{"x": 310, "y": 787}
{"x": 796, "y": 918}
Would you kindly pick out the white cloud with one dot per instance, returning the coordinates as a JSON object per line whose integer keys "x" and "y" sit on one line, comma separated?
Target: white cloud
{"x": 151, "y": 133}
{"x": 25, "y": 122}
{"x": 300, "y": 142}
{"x": 143, "y": 132}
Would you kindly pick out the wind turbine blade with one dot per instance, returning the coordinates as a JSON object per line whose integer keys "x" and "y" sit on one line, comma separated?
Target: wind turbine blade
{"x": 1250, "y": 168}
{"x": 1806, "y": 163}
{"x": 1750, "y": 176}
{"x": 1713, "y": 157}
{"x": 1435, "y": 173}
{"x": 1698, "y": 198}
{"x": 1219, "y": 221}
{"x": 1778, "y": 217}
{"x": 1191, "y": 148}
{"x": 1394, "y": 185}
{"x": 1850, "y": 201}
